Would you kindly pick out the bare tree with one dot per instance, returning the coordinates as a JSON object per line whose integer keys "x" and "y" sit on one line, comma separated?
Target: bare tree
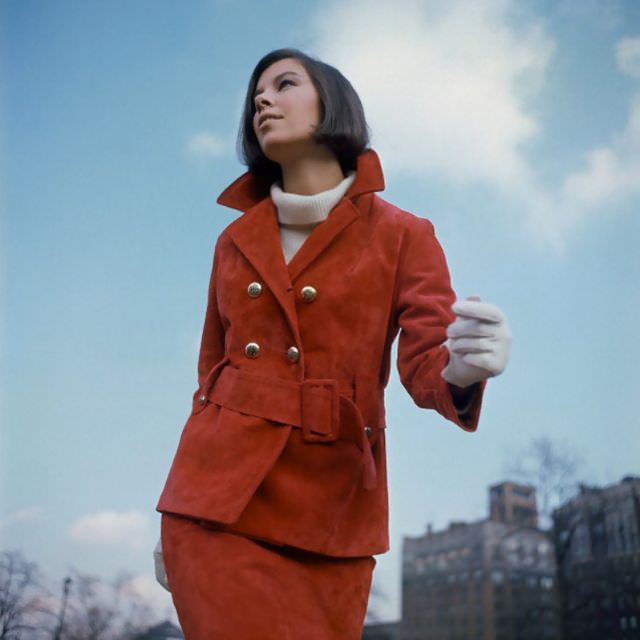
{"x": 101, "y": 610}
{"x": 552, "y": 468}
{"x": 135, "y": 613}
{"x": 26, "y": 607}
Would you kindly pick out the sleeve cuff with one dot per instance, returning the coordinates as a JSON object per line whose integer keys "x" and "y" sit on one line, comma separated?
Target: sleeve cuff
{"x": 468, "y": 418}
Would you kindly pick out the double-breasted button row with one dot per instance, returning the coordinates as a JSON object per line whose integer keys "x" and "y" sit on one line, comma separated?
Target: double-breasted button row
{"x": 252, "y": 350}
{"x": 307, "y": 293}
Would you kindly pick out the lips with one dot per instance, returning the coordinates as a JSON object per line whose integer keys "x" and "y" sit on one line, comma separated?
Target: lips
{"x": 265, "y": 117}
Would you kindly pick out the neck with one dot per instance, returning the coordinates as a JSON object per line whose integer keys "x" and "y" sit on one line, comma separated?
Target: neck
{"x": 311, "y": 173}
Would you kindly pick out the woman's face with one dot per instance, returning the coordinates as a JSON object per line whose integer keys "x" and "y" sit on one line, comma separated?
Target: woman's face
{"x": 286, "y": 92}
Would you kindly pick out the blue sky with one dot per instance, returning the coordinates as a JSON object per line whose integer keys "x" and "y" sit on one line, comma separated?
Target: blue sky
{"x": 514, "y": 127}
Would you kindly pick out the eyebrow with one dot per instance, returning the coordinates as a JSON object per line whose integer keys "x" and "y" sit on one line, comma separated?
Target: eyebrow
{"x": 284, "y": 73}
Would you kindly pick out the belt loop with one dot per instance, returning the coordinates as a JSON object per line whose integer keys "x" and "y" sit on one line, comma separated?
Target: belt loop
{"x": 201, "y": 395}
{"x": 369, "y": 472}
{"x": 320, "y": 409}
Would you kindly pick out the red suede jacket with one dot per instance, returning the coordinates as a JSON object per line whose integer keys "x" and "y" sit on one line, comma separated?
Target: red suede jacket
{"x": 286, "y": 439}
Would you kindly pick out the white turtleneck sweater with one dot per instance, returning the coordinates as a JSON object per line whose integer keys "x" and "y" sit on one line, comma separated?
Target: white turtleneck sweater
{"x": 298, "y": 214}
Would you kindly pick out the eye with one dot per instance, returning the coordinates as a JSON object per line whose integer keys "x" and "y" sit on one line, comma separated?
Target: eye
{"x": 283, "y": 81}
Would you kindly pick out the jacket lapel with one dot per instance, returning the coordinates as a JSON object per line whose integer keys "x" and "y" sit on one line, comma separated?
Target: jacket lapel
{"x": 343, "y": 214}
{"x": 257, "y": 236}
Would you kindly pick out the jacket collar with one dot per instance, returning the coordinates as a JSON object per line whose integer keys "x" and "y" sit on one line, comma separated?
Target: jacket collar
{"x": 247, "y": 190}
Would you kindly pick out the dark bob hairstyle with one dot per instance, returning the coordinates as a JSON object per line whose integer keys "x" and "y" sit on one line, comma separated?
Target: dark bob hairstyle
{"x": 342, "y": 127}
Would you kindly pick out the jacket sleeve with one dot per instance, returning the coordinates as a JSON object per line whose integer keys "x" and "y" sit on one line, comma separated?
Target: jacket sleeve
{"x": 423, "y": 312}
{"x": 212, "y": 343}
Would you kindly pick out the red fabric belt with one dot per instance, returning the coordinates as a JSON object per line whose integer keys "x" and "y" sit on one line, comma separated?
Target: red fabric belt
{"x": 314, "y": 405}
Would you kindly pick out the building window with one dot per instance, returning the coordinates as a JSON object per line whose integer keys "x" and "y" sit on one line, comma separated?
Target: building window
{"x": 546, "y": 582}
{"x": 582, "y": 541}
{"x": 543, "y": 548}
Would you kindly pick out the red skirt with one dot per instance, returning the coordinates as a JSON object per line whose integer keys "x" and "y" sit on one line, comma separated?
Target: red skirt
{"x": 226, "y": 586}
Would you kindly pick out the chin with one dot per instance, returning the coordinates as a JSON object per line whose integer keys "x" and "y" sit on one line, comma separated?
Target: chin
{"x": 282, "y": 151}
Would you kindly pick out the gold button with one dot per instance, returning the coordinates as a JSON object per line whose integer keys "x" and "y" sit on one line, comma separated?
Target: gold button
{"x": 293, "y": 354}
{"x": 202, "y": 399}
{"x": 308, "y": 293}
{"x": 252, "y": 350}
{"x": 254, "y": 289}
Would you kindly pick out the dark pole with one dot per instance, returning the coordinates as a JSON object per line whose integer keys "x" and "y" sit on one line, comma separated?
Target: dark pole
{"x": 65, "y": 592}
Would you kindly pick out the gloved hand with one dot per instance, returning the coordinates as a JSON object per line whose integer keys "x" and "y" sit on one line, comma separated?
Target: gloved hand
{"x": 479, "y": 342}
{"x": 161, "y": 574}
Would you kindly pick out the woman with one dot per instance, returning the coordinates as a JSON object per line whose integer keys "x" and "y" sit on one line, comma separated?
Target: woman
{"x": 277, "y": 498}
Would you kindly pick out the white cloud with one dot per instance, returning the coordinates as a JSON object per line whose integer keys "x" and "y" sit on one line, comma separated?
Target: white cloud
{"x": 448, "y": 90}
{"x": 611, "y": 174}
{"x": 130, "y": 528}
{"x": 26, "y": 514}
{"x": 628, "y": 56}
{"x": 145, "y": 587}
{"x": 444, "y": 84}
{"x": 205, "y": 144}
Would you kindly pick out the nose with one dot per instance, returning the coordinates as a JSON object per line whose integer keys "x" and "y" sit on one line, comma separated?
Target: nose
{"x": 261, "y": 102}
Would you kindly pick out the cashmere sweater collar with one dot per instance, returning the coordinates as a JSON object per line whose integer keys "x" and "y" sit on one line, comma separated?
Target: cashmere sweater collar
{"x": 296, "y": 209}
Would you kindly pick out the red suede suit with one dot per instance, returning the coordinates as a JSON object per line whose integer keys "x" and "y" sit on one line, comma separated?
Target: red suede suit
{"x": 288, "y": 445}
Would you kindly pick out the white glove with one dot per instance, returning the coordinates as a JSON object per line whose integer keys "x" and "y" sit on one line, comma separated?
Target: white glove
{"x": 161, "y": 574}
{"x": 479, "y": 342}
